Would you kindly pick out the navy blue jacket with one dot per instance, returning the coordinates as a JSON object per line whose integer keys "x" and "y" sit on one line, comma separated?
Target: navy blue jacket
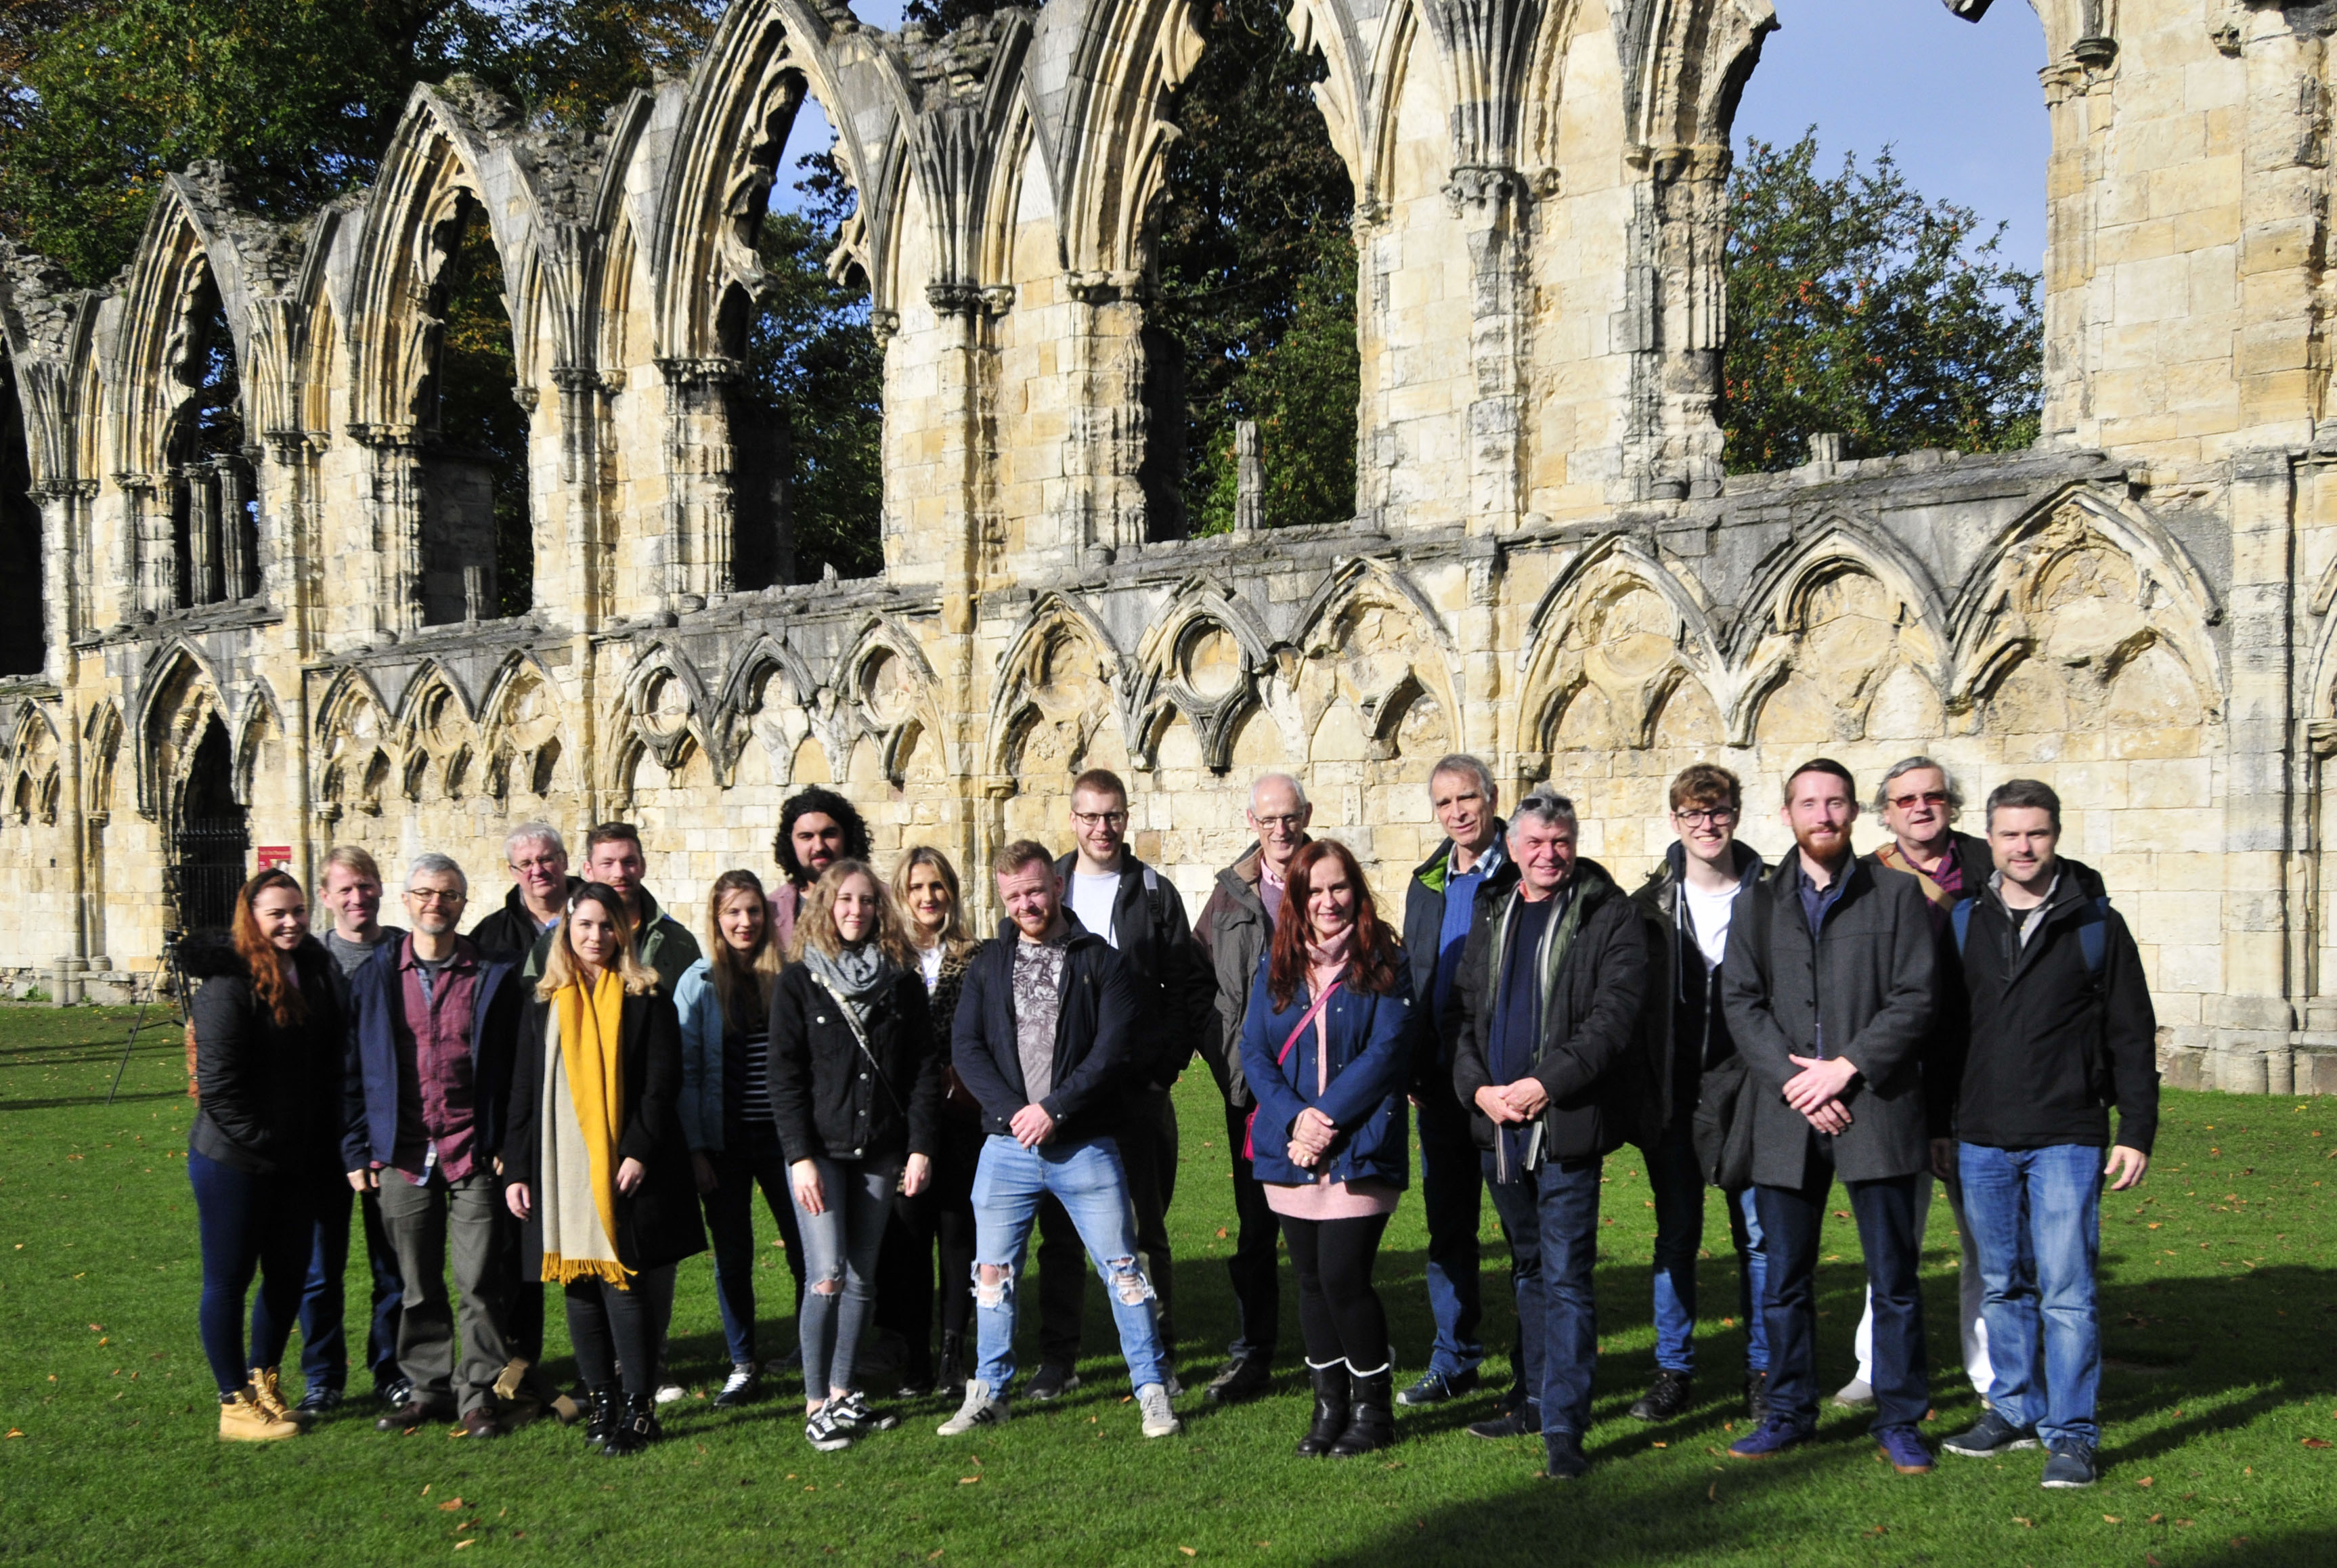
{"x": 1370, "y": 1064}
{"x": 376, "y": 1001}
{"x": 1097, "y": 1026}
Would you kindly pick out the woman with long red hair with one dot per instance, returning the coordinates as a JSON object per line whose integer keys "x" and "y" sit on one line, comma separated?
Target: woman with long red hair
{"x": 1326, "y": 1048}
{"x": 265, "y": 1148}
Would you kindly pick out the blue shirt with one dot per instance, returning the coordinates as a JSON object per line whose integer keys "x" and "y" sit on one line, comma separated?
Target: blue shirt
{"x": 1460, "y": 909}
{"x": 1815, "y": 902}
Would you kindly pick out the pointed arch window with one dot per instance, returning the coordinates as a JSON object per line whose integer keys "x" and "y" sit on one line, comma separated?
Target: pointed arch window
{"x": 22, "y": 598}
{"x": 208, "y": 474}
{"x": 478, "y": 549}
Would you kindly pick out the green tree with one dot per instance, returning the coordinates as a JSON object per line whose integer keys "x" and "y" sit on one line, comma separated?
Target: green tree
{"x": 1855, "y": 306}
{"x": 1257, "y": 275}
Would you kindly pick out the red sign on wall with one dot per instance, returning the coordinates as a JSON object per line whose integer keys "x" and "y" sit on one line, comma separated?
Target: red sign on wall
{"x": 271, "y": 856}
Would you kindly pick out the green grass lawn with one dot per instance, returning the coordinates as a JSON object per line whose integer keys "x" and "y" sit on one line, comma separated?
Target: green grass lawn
{"x": 2218, "y": 1305}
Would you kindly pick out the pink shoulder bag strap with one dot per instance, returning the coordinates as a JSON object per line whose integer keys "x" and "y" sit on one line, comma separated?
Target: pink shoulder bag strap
{"x": 1304, "y": 1019}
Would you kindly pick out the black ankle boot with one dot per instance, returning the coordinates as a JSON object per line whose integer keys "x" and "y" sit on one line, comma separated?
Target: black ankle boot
{"x": 600, "y": 1414}
{"x": 953, "y": 1373}
{"x": 1371, "y": 1414}
{"x": 1331, "y": 1410}
{"x": 635, "y": 1429}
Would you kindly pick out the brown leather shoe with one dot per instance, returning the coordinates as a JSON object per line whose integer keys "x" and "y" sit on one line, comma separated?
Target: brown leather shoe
{"x": 481, "y": 1422}
{"x": 412, "y": 1413}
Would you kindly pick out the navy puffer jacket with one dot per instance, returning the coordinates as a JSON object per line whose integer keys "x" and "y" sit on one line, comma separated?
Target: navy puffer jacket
{"x": 1370, "y": 1046}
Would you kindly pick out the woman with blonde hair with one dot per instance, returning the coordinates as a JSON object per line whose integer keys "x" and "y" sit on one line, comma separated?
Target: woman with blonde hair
{"x": 264, "y": 1153}
{"x": 941, "y": 1216}
{"x": 594, "y": 1163}
{"x": 724, "y": 1001}
{"x": 855, "y": 1089}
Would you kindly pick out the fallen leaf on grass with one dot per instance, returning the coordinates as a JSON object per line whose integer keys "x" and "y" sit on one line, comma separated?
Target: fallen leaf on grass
{"x": 1712, "y": 1493}
{"x": 967, "y": 1480}
{"x": 2146, "y": 1481}
{"x": 449, "y": 1507}
{"x": 460, "y": 1545}
{"x": 1188, "y": 1551}
{"x": 2024, "y": 1524}
{"x": 1880, "y": 1530}
{"x": 2112, "y": 1519}
{"x": 2151, "y": 1558}
{"x": 1659, "y": 1445}
{"x": 2158, "y": 1518}
{"x": 1221, "y": 1232}
{"x": 935, "y": 1555}
{"x": 16, "y": 1432}
{"x": 425, "y": 1488}
{"x": 2316, "y": 1442}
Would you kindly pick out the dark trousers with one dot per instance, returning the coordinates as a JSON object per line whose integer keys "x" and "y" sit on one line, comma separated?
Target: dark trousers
{"x": 1451, "y": 1193}
{"x": 1552, "y": 1217}
{"x": 1791, "y": 1218}
{"x": 1147, "y": 1150}
{"x": 324, "y": 1339}
{"x": 1257, "y": 1275}
{"x": 251, "y": 1223}
{"x": 451, "y": 1348}
{"x": 938, "y": 1221}
{"x": 613, "y": 1329}
{"x": 751, "y": 1157}
{"x": 1339, "y": 1313}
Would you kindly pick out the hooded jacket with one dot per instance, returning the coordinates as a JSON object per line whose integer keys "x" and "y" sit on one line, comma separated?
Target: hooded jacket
{"x": 1096, "y": 1023}
{"x": 1868, "y": 977}
{"x": 1235, "y": 932}
{"x": 1685, "y": 1031}
{"x": 269, "y": 1094}
{"x": 1423, "y": 926}
{"x": 1171, "y": 972}
{"x": 1587, "y": 1059}
{"x": 377, "y": 1006}
{"x": 2054, "y": 1045}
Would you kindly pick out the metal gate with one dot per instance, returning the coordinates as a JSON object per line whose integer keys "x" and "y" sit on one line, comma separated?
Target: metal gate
{"x": 209, "y": 871}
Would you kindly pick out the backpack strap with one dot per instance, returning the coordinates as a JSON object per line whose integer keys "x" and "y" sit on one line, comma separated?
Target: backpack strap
{"x": 2094, "y": 936}
{"x": 1960, "y": 918}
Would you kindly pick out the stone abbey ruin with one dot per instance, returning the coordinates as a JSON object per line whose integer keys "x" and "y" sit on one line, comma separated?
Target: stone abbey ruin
{"x": 264, "y": 646}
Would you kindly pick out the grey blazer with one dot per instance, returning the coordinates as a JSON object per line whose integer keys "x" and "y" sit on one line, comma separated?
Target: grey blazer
{"x": 1868, "y": 976}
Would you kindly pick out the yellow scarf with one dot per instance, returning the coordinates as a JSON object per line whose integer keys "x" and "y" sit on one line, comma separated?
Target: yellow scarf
{"x": 593, "y": 1064}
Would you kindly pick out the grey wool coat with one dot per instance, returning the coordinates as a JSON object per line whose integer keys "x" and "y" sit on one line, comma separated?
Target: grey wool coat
{"x": 1869, "y": 978}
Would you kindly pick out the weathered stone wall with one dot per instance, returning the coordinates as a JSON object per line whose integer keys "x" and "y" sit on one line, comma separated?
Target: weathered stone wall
{"x": 1546, "y": 566}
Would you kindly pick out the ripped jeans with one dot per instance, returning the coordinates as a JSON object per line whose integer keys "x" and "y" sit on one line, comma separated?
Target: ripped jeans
{"x": 1086, "y": 1179}
{"x": 839, "y": 1246}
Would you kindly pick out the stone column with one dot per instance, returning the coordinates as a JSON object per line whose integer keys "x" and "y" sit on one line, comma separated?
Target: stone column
{"x": 1491, "y": 202}
{"x": 698, "y": 466}
{"x": 285, "y": 541}
{"x": 1104, "y": 437}
{"x": 2255, "y": 1013}
{"x": 584, "y": 396}
{"x": 397, "y": 501}
{"x": 1676, "y": 320}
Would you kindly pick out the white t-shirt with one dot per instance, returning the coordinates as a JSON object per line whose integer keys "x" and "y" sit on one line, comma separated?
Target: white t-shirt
{"x": 1091, "y": 900}
{"x": 929, "y": 962}
{"x": 1707, "y": 916}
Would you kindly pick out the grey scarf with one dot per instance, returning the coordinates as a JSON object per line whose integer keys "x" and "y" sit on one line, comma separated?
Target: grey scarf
{"x": 856, "y": 974}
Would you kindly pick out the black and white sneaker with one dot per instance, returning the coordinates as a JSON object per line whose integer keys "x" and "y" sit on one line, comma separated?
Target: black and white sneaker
{"x": 824, "y": 1432}
{"x": 740, "y": 1387}
{"x": 852, "y": 1413}
{"x": 1435, "y": 1388}
{"x": 396, "y": 1392}
{"x": 320, "y": 1400}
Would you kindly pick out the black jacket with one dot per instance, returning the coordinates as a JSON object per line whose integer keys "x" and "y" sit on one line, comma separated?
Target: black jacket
{"x": 1096, "y": 1021}
{"x": 1869, "y": 977}
{"x": 823, "y": 1098}
{"x": 1589, "y": 1060}
{"x": 1684, "y": 1028}
{"x": 1423, "y": 925}
{"x": 2053, "y": 1045}
{"x": 269, "y": 1098}
{"x": 660, "y": 1223}
{"x": 511, "y": 933}
{"x": 1234, "y": 932}
{"x": 1173, "y": 979}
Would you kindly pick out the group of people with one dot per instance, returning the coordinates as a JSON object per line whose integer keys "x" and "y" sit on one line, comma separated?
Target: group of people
{"x": 576, "y": 1093}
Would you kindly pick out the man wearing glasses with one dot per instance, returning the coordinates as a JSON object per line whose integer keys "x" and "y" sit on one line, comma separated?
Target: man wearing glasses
{"x": 1235, "y": 927}
{"x": 431, "y": 1036}
{"x": 1112, "y": 893}
{"x": 1918, "y": 800}
{"x": 1688, "y": 903}
{"x": 540, "y": 890}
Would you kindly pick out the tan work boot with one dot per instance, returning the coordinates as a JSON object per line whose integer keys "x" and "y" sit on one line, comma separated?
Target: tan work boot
{"x": 267, "y": 1392}
{"x": 243, "y": 1419}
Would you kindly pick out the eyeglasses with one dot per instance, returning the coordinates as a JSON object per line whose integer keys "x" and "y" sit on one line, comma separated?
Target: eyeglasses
{"x": 1718, "y": 816}
{"x": 435, "y": 896}
{"x": 547, "y": 863}
{"x": 1928, "y": 797}
{"x": 1289, "y": 824}
{"x": 1099, "y": 819}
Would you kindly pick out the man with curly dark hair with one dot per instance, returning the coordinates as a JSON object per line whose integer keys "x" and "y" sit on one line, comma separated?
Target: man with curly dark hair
{"x": 817, "y": 828}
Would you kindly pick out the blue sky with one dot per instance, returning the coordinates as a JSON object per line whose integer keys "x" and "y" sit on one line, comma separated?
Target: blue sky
{"x": 1958, "y": 103}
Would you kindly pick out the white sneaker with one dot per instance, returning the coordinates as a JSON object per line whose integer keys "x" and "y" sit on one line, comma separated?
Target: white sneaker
{"x": 667, "y": 1392}
{"x": 1159, "y": 1420}
{"x": 1854, "y": 1395}
{"x": 979, "y": 1410}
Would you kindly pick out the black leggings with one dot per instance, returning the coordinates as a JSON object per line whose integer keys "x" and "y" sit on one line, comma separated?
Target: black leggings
{"x": 1339, "y": 1313}
{"x": 614, "y": 1330}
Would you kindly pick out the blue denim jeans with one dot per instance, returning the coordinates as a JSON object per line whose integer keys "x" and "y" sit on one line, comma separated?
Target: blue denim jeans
{"x": 1086, "y": 1179}
{"x": 1791, "y": 1220}
{"x": 2045, "y": 1203}
{"x": 1451, "y": 1193}
{"x": 1678, "y": 1187}
{"x": 250, "y": 1224}
{"x": 1552, "y": 1215}
{"x": 324, "y": 1341}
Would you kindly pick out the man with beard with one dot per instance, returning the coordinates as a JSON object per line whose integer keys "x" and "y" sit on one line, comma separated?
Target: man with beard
{"x": 1827, "y": 988}
{"x": 817, "y": 828}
